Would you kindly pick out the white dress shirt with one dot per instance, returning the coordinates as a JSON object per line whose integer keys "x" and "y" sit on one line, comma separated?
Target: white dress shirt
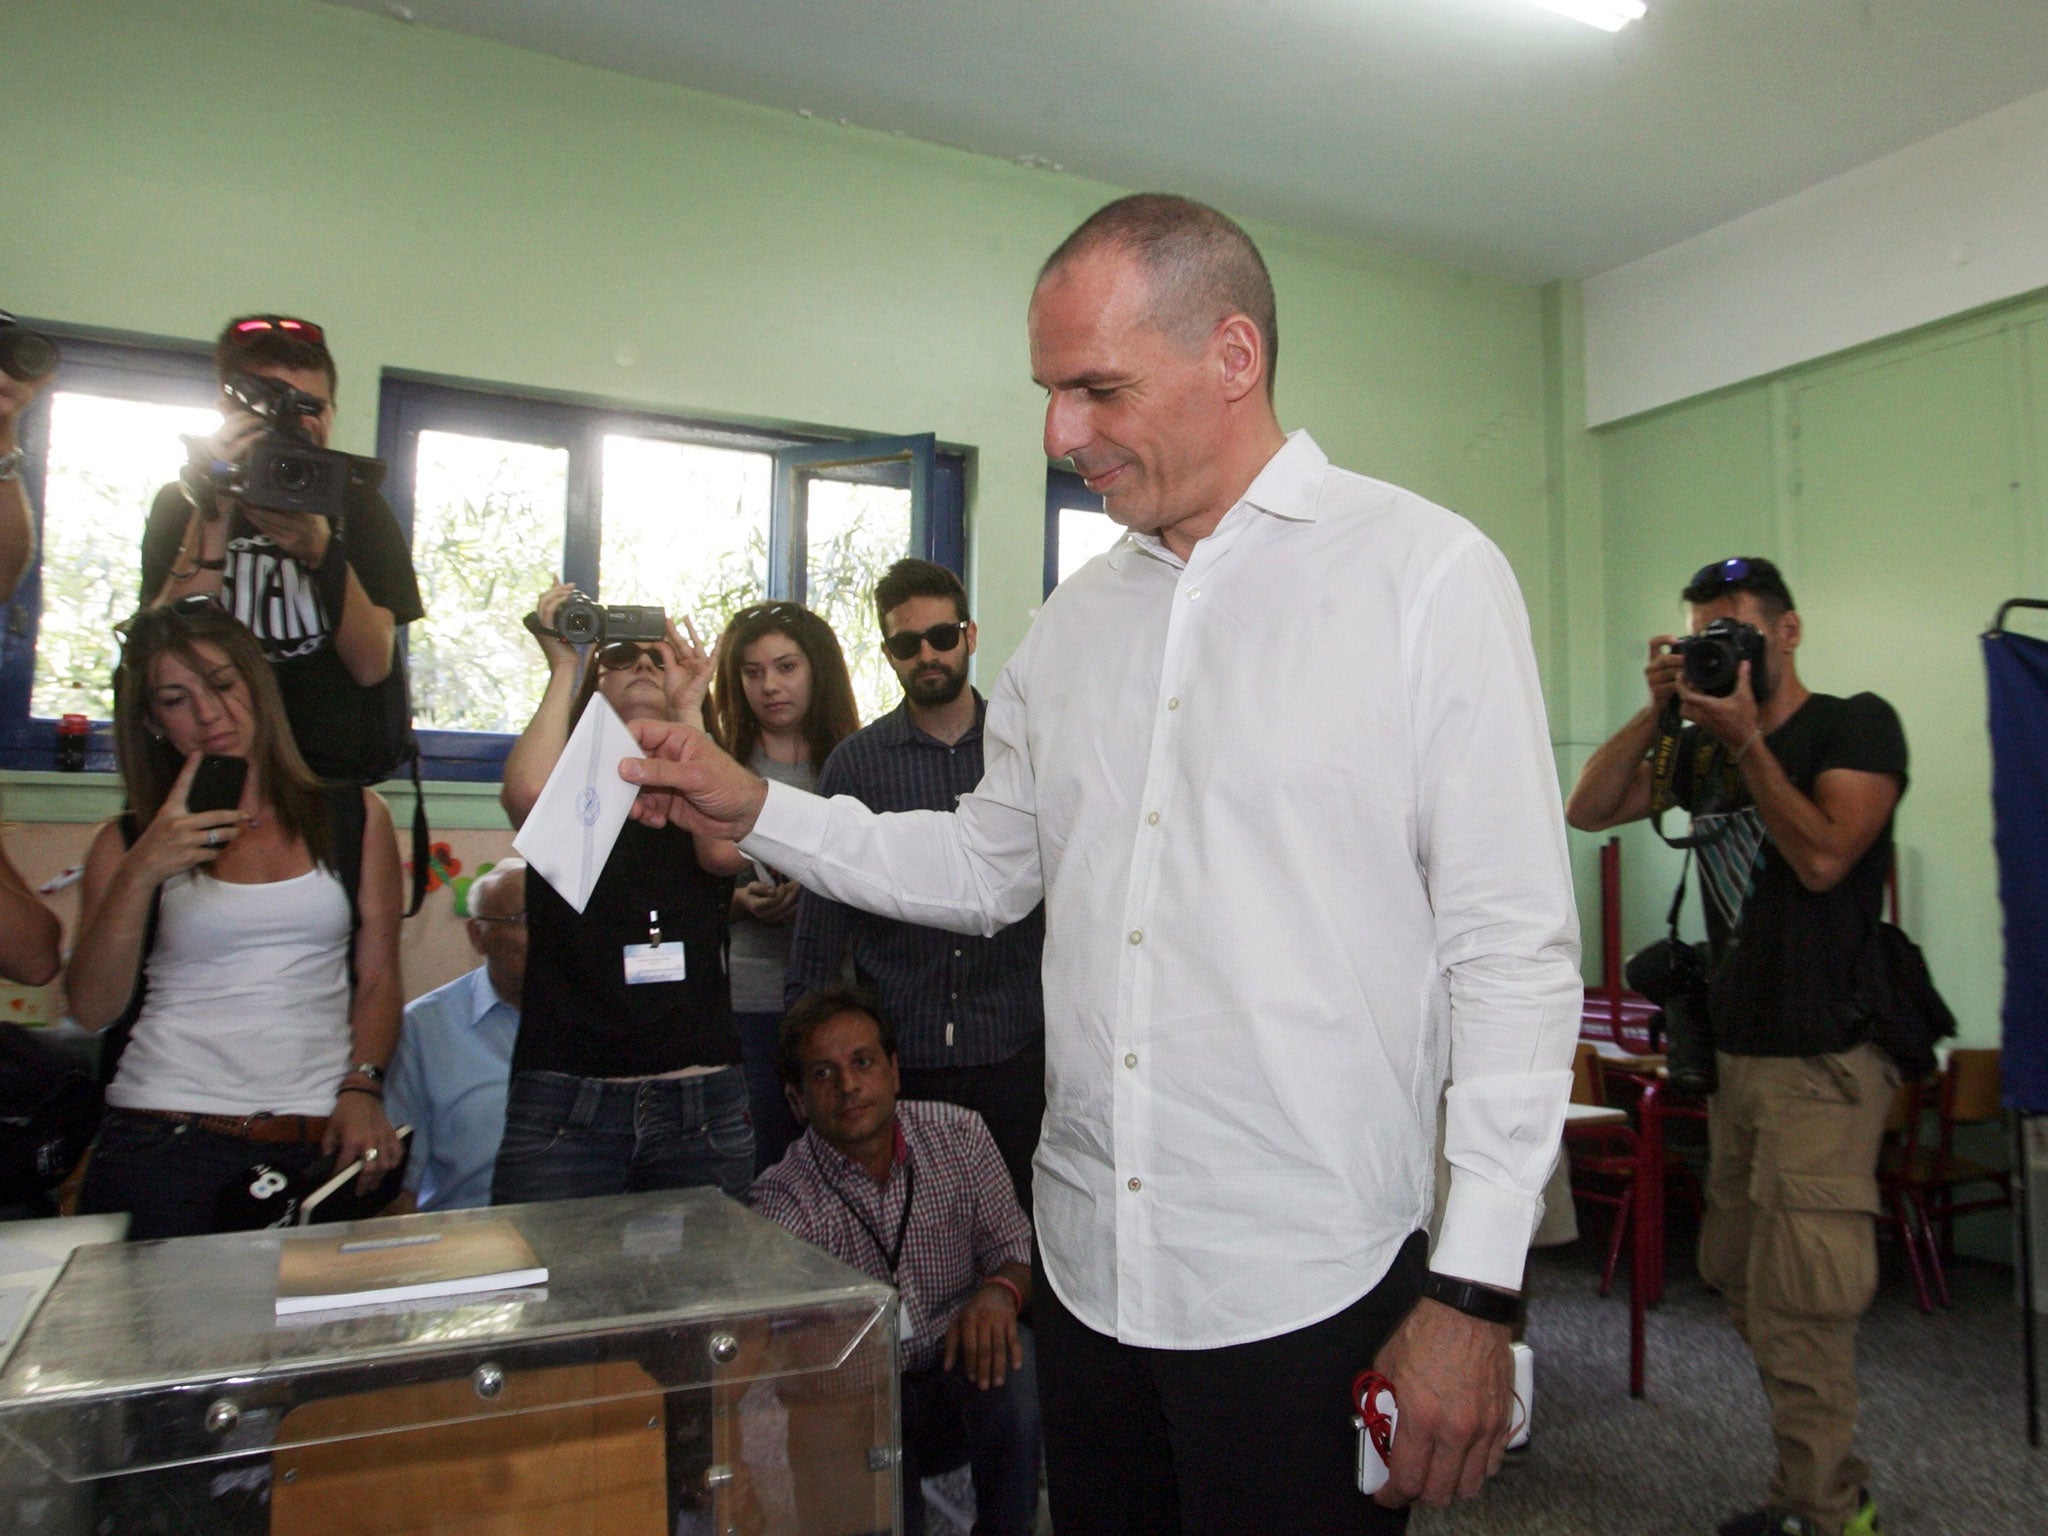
{"x": 1293, "y": 812}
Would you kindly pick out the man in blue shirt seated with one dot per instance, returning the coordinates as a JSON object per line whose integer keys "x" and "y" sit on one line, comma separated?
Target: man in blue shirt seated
{"x": 454, "y": 1058}
{"x": 916, "y": 1194}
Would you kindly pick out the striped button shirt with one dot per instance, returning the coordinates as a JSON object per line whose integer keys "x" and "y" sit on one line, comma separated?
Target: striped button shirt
{"x": 958, "y": 1000}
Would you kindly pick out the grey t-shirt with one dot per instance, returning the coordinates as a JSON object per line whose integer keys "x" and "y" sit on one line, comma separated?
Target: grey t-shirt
{"x": 760, "y": 951}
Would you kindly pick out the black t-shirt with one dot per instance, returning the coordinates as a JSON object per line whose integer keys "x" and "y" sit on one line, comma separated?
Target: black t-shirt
{"x": 1787, "y": 960}
{"x": 344, "y": 730}
{"x": 577, "y": 1014}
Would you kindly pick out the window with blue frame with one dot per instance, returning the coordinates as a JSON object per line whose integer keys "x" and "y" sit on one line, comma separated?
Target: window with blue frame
{"x": 1076, "y": 527}
{"x": 99, "y": 441}
{"x": 498, "y": 493}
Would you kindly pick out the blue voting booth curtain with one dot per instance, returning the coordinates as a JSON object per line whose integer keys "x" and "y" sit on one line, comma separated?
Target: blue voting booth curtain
{"x": 2018, "y": 673}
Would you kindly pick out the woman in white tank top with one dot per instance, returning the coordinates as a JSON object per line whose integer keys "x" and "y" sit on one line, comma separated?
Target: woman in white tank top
{"x": 251, "y": 1043}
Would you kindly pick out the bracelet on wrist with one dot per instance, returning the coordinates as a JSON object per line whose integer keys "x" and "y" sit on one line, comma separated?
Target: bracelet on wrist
{"x": 1016, "y": 1294}
{"x": 1487, "y": 1303}
{"x": 1755, "y": 736}
{"x": 375, "y": 1093}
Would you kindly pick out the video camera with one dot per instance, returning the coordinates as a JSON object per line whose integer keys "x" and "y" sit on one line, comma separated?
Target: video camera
{"x": 283, "y": 470}
{"x": 1714, "y": 657}
{"x": 25, "y": 354}
{"x": 582, "y": 620}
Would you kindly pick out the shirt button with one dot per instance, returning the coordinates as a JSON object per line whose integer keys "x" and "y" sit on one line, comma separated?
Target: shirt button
{"x": 956, "y": 954}
{"x": 1193, "y": 593}
{"x": 1137, "y": 935}
{"x": 1136, "y": 1185}
{"x": 1173, "y": 703}
{"x": 1131, "y": 1060}
{"x": 1152, "y": 820}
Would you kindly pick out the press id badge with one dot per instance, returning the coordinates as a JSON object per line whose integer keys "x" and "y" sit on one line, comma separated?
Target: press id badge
{"x": 655, "y": 961}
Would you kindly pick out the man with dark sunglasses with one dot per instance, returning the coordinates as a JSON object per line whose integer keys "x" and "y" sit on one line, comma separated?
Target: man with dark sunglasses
{"x": 969, "y": 1011}
{"x": 1792, "y": 794}
{"x": 325, "y": 599}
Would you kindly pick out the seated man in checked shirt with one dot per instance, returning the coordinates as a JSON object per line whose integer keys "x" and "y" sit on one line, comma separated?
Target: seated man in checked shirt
{"x": 916, "y": 1194}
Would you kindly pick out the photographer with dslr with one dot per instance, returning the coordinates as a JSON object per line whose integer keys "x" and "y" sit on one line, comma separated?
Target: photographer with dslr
{"x": 295, "y": 541}
{"x": 625, "y": 1075}
{"x": 1792, "y": 795}
{"x": 27, "y": 359}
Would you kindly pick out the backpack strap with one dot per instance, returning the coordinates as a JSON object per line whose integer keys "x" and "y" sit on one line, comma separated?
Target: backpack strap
{"x": 422, "y": 839}
{"x": 346, "y": 823}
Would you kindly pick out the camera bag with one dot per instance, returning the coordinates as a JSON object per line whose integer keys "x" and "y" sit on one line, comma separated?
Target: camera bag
{"x": 1907, "y": 1016}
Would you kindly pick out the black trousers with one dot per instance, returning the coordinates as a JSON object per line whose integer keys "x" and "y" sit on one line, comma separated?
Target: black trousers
{"x": 1008, "y": 1095}
{"x": 1249, "y": 1440}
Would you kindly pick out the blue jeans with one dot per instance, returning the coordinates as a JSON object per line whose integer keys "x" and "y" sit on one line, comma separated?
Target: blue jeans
{"x": 774, "y": 1126}
{"x": 567, "y": 1138}
{"x": 948, "y": 1420}
{"x": 168, "y": 1176}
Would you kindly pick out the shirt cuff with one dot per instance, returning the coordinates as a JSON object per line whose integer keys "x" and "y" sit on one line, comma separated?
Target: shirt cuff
{"x": 789, "y": 831}
{"x": 1486, "y": 1232}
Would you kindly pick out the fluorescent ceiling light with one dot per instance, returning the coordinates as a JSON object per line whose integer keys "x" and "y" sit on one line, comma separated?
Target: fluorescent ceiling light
{"x": 1607, "y": 15}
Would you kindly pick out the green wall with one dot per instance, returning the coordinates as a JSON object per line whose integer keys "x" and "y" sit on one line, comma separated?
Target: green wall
{"x": 468, "y": 210}
{"x": 1901, "y": 488}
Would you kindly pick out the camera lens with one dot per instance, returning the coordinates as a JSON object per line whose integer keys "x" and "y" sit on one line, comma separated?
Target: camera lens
{"x": 296, "y": 476}
{"x": 27, "y": 355}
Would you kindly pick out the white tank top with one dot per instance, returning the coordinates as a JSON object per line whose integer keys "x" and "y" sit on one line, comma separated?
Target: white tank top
{"x": 247, "y": 1008}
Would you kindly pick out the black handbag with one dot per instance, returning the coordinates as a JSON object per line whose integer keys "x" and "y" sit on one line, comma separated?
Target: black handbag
{"x": 1674, "y": 975}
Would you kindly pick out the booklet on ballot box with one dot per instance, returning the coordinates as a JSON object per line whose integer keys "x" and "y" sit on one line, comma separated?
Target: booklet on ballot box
{"x": 321, "y": 1274}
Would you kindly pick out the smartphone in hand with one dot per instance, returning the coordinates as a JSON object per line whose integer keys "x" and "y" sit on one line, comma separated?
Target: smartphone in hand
{"x": 217, "y": 783}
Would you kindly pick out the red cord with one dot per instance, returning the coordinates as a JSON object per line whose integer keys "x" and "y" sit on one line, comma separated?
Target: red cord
{"x": 1365, "y": 1397}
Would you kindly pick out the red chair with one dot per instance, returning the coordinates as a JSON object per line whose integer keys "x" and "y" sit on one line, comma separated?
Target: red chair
{"x": 1923, "y": 1185}
{"x": 1604, "y": 1157}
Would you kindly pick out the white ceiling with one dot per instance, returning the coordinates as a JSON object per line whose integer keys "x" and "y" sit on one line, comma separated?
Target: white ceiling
{"x": 1487, "y": 133}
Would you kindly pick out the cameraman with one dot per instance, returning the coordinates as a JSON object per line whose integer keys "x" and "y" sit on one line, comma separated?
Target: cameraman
{"x": 324, "y": 599}
{"x": 17, "y": 522}
{"x": 1796, "y": 792}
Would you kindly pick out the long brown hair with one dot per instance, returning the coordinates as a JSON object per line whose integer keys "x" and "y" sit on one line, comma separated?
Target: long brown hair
{"x": 150, "y": 765}
{"x": 832, "y": 715}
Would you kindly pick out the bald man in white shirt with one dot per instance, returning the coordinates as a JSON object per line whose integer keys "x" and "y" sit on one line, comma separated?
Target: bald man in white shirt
{"x": 1278, "y": 765}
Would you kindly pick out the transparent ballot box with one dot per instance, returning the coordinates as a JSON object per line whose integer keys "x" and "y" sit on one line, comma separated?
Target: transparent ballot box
{"x": 686, "y": 1367}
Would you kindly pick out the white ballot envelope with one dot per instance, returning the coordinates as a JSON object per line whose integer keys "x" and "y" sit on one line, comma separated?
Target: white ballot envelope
{"x": 571, "y": 829}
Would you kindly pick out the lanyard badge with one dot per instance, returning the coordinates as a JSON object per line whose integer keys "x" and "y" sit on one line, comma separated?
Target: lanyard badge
{"x": 655, "y": 961}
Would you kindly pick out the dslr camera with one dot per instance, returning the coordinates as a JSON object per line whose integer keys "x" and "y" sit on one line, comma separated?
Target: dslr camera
{"x": 25, "y": 354}
{"x": 283, "y": 470}
{"x": 583, "y": 620}
{"x": 1714, "y": 657}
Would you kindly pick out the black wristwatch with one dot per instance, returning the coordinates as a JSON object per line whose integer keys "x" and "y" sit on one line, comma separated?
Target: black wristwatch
{"x": 1484, "y": 1302}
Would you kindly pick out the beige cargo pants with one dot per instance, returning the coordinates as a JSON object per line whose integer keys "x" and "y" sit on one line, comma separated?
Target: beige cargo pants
{"x": 1790, "y": 1240}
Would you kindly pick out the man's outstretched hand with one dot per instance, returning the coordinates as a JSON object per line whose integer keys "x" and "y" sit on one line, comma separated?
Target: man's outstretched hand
{"x": 684, "y": 779}
{"x": 1454, "y": 1381}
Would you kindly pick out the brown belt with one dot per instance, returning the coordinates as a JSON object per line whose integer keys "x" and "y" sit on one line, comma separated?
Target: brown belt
{"x": 266, "y": 1127}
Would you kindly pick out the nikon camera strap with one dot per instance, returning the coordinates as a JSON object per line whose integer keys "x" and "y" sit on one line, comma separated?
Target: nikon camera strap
{"x": 1706, "y": 763}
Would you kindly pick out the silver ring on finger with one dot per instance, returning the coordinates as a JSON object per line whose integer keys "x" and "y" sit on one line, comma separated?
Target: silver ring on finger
{"x": 370, "y": 1156}
{"x": 213, "y": 837}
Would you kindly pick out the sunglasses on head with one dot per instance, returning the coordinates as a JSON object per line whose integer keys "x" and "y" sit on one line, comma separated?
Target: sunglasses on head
{"x": 621, "y": 654}
{"x": 905, "y": 643}
{"x": 303, "y": 330}
{"x": 1725, "y": 573}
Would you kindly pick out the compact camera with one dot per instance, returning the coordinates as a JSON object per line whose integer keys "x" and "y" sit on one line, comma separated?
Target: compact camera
{"x": 25, "y": 354}
{"x": 283, "y": 470}
{"x": 1714, "y": 657}
{"x": 582, "y": 620}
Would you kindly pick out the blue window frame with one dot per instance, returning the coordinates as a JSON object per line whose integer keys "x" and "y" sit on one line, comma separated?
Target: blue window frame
{"x": 154, "y": 372}
{"x": 180, "y": 373}
{"x": 934, "y": 476}
{"x": 1067, "y": 498}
